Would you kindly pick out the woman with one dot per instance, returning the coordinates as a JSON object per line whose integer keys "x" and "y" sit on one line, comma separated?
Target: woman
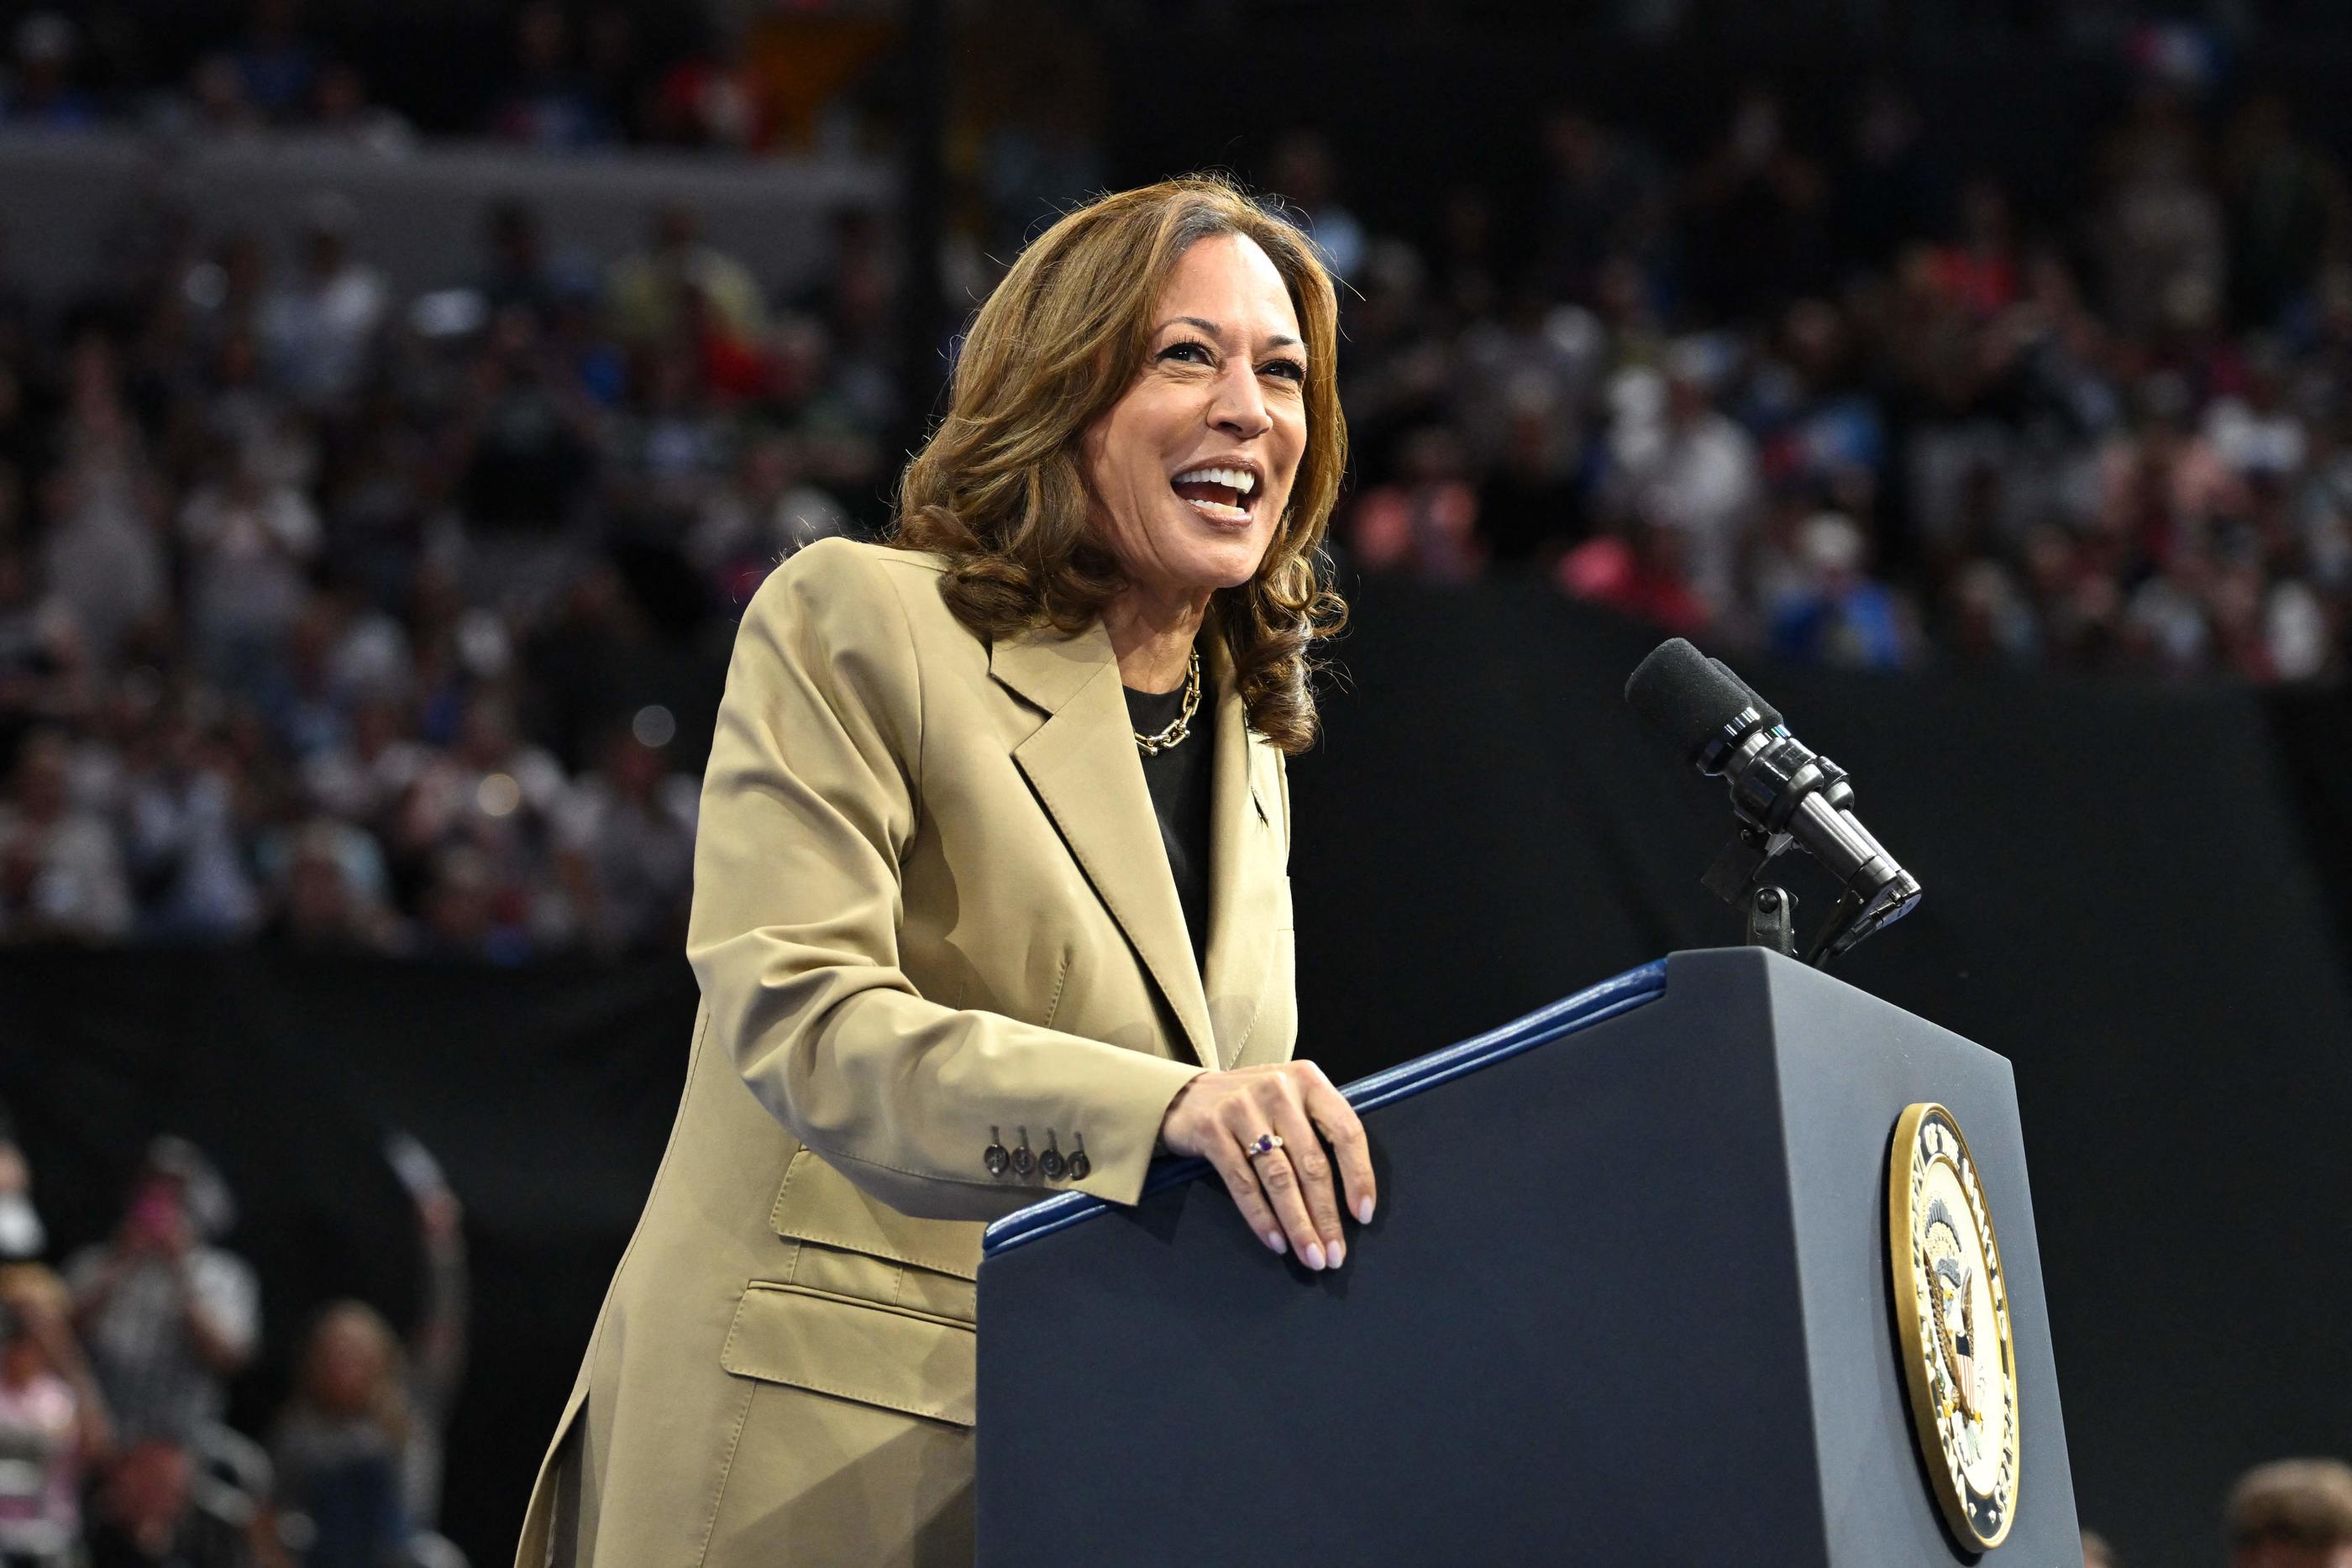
{"x": 989, "y": 900}
{"x": 52, "y": 1421}
{"x": 357, "y": 1450}
{"x": 339, "y": 1443}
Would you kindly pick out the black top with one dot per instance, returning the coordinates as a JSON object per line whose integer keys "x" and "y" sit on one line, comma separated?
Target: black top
{"x": 1178, "y": 777}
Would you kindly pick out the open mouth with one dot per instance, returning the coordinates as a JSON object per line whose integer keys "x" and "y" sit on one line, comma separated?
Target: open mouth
{"x": 1221, "y": 494}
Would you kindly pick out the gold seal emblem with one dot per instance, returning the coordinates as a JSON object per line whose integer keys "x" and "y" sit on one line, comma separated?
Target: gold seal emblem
{"x": 1951, "y": 1320}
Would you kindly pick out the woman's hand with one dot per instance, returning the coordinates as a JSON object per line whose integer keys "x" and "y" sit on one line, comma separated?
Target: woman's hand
{"x": 1286, "y": 1194}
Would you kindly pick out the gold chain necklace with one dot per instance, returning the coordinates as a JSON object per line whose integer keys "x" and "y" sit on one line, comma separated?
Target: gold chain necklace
{"x": 1153, "y": 745}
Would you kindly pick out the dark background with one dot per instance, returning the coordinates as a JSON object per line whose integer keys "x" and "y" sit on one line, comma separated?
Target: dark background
{"x": 2128, "y": 896}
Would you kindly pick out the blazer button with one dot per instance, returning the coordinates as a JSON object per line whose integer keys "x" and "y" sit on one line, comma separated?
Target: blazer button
{"x": 996, "y": 1156}
{"x": 1023, "y": 1162}
{"x": 1079, "y": 1164}
{"x": 1050, "y": 1161}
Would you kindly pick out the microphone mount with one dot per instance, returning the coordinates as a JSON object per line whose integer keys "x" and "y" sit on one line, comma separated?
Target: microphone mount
{"x": 1774, "y": 778}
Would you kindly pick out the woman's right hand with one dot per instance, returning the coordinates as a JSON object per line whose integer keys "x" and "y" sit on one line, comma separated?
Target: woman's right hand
{"x": 1286, "y": 1194}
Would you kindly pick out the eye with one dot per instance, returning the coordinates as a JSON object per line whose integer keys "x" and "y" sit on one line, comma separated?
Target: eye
{"x": 1290, "y": 369}
{"x": 1187, "y": 349}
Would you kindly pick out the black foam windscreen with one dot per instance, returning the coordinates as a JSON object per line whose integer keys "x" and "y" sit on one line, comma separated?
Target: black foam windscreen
{"x": 1685, "y": 696}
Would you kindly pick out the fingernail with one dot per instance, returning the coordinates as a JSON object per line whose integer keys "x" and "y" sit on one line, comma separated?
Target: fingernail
{"x": 1364, "y": 1211}
{"x": 1273, "y": 1239}
{"x": 1313, "y": 1255}
{"x": 1338, "y": 1253}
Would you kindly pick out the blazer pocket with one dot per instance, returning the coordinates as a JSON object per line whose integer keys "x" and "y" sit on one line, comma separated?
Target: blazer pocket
{"x": 866, "y": 1249}
{"x": 892, "y": 1357}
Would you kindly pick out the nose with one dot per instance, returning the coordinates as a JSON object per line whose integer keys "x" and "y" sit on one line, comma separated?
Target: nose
{"x": 1238, "y": 405}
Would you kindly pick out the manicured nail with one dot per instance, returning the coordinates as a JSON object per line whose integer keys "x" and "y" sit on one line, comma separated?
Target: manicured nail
{"x": 1312, "y": 1256}
{"x": 1364, "y": 1211}
{"x": 1338, "y": 1253}
{"x": 1273, "y": 1239}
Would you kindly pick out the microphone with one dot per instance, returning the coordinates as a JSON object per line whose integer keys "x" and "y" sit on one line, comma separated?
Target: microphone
{"x": 1783, "y": 791}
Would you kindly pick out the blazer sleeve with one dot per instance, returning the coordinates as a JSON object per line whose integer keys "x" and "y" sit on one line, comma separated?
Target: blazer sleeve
{"x": 811, "y": 796}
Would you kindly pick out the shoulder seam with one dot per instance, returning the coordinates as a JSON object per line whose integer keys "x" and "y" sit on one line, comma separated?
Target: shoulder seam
{"x": 922, "y": 701}
{"x": 891, "y": 555}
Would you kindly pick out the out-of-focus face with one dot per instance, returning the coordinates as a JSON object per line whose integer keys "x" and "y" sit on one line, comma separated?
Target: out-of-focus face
{"x": 1192, "y": 468}
{"x": 346, "y": 1366}
{"x": 149, "y": 1489}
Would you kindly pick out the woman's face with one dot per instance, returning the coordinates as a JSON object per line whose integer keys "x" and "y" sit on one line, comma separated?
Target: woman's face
{"x": 346, "y": 1366}
{"x": 1191, "y": 467}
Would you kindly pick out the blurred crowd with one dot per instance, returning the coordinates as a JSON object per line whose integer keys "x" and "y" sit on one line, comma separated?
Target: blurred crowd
{"x": 115, "y": 1369}
{"x": 354, "y": 621}
{"x": 1849, "y": 404}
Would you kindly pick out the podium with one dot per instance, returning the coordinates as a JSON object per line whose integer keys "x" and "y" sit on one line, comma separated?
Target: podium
{"x": 1626, "y": 1301}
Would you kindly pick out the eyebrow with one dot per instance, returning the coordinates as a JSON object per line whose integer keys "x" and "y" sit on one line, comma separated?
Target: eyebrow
{"x": 1279, "y": 341}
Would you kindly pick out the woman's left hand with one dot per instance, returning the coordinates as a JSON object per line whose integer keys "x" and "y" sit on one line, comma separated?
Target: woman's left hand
{"x": 1285, "y": 1192}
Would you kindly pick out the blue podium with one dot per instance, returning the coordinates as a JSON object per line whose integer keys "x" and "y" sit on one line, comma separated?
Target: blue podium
{"x": 1627, "y": 1300}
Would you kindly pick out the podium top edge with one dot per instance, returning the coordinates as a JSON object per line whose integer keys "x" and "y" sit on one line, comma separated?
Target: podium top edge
{"x": 1594, "y": 1004}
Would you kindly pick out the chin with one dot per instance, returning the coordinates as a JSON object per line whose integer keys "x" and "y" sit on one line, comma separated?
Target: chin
{"x": 1226, "y": 564}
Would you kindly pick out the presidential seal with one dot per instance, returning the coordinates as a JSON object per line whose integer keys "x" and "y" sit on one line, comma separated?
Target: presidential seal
{"x": 1951, "y": 1321}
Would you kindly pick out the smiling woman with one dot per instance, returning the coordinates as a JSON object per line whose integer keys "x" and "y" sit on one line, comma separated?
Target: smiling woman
{"x": 990, "y": 900}
{"x": 1148, "y": 306}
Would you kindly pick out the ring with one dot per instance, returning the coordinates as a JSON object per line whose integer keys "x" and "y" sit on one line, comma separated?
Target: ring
{"x": 1264, "y": 1144}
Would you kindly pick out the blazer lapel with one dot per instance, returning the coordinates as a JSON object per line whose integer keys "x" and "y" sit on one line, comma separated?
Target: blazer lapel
{"x": 1082, "y": 763}
{"x": 1245, "y": 869}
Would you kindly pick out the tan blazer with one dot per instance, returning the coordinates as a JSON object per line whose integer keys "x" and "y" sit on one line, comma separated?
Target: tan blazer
{"x": 931, "y": 912}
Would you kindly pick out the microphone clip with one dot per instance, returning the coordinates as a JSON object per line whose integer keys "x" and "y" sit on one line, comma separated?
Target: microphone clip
{"x": 1770, "y": 910}
{"x": 1736, "y": 877}
{"x": 1772, "y": 920}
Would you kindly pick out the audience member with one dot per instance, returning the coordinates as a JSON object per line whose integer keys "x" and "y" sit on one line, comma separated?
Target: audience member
{"x": 151, "y": 1514}
{"x": 1680, "y": 462}
{"x": 338, "y": 1447}
{"x": 1836, "y": 613}
{"x": 61, "y": 867}
{"x": 2292, "y": 1513}
{"x": 653, "y": 290}
{"x": 319, "y": 328}
{"x": 167, "y": 1314}
{"x": 1427, "y": 522}
{"x": 357, "y": 1450}
{"x": 52, "y": 1421}
{"x": 548, "y": 104}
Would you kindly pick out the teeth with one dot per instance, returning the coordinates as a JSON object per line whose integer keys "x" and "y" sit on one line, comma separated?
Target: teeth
{"x": 1240, "y": 480}
{"x": 1223, "y": 513}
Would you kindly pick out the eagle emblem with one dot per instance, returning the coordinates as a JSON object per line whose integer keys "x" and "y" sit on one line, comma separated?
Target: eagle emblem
{"x": 1951, "y": 1317}
{"x": 1950, "y": 1296}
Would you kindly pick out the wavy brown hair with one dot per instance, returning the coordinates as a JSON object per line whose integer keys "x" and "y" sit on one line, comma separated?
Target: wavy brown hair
{"x": 999, "y": 488}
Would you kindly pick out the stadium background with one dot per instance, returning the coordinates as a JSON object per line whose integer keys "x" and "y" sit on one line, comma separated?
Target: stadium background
{"x": 1975, "y": 377}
